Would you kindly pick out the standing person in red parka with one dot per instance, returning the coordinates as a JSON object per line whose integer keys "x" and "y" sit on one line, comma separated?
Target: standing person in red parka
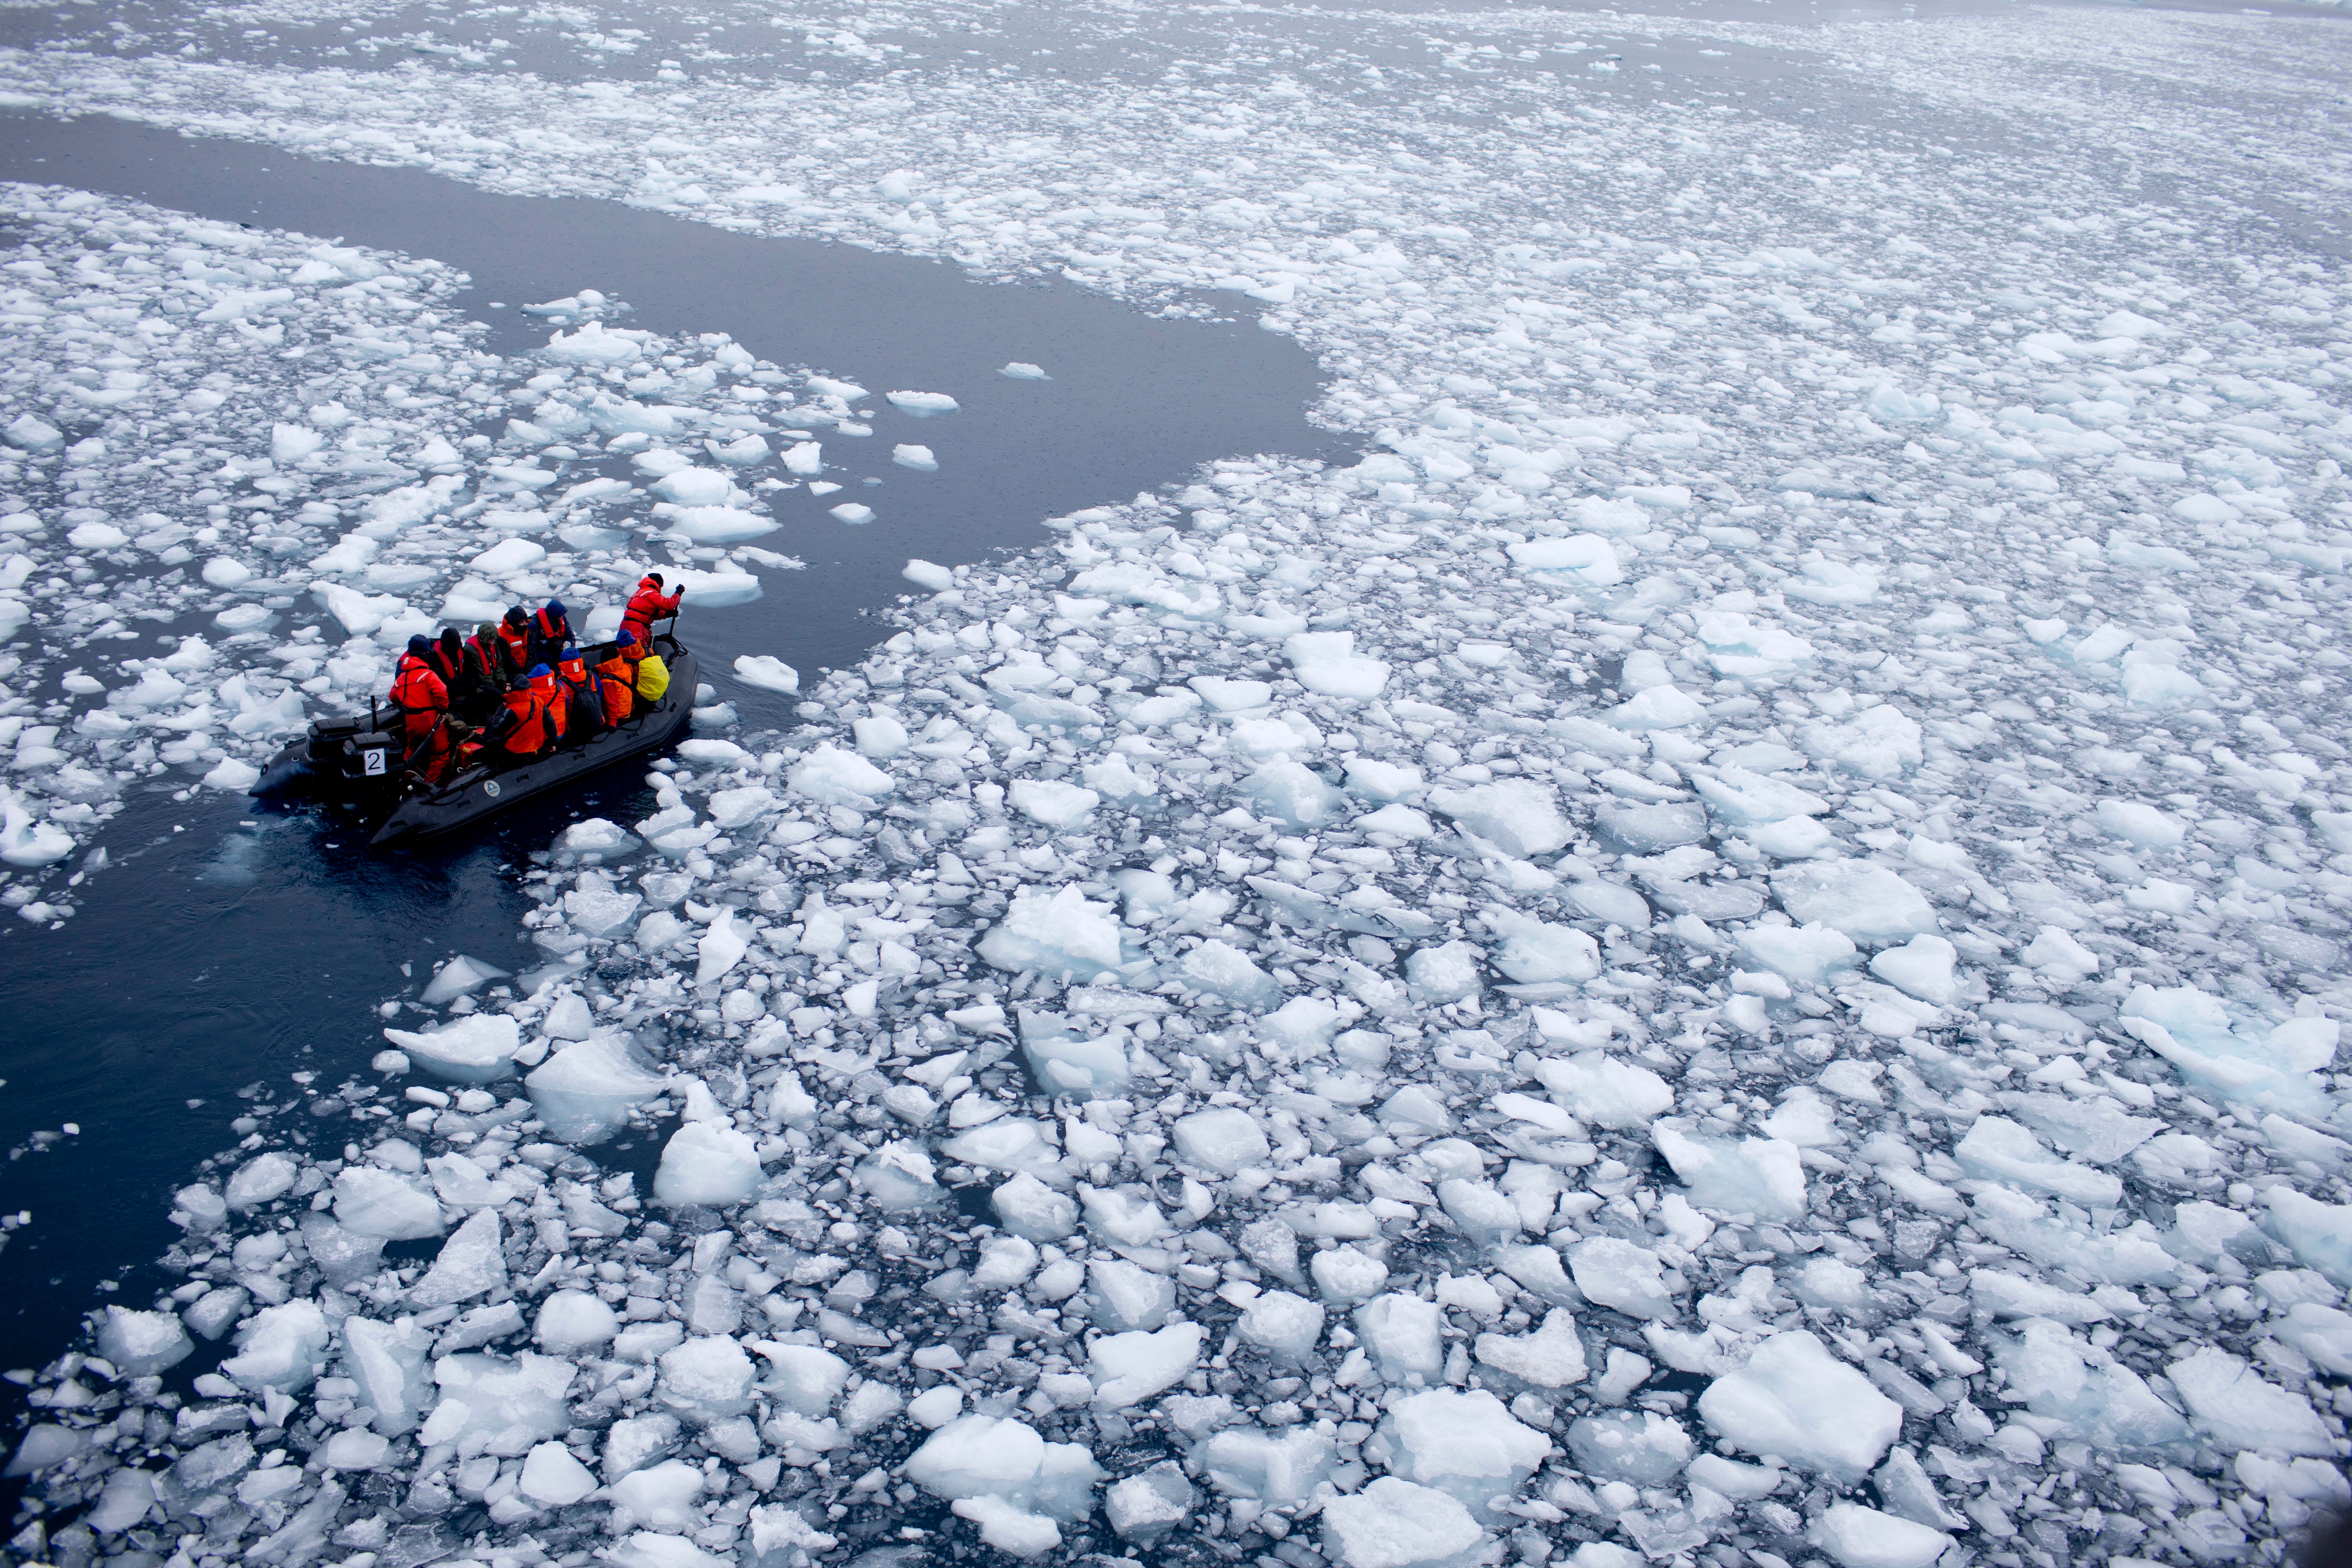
{"x": 423, "y": 699}
{"x": 648, "y": 604}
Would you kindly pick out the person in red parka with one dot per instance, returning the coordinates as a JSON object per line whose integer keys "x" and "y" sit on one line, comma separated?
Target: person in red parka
{"x": 648, "y": 604}
{"x": 423, "y": 699}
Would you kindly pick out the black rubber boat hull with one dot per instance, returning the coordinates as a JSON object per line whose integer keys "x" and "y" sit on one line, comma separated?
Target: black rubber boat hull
{"x": 474, "y": 797}
{"x": 470, "y": 798}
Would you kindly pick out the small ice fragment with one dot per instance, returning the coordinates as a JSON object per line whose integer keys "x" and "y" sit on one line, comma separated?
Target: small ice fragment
{"x": 922, "y": 404}
{"x": 930, "y": 575}
{"x": 918, "y": 459}
{"x": 1021, "y": 369}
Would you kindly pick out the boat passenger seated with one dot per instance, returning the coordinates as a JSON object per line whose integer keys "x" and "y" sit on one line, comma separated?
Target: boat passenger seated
{"x": 616, "y": 680}
{"x": 534, "y": 719}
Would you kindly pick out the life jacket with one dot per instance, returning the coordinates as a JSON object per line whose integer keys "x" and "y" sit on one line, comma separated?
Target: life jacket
{"x": 437, "y": 656}
{"x": 420, "y": 695}
{"x": 573, "y": 672}
{"x": 514, "y": 643}
{"x": 616, "y": 687}
{"x": 551, "y": 704}
{"x": 482, "y": 666}
{"x": 653, "y": 677}
{"x": 646, "y": 605}
{"x": 528, "y": 736}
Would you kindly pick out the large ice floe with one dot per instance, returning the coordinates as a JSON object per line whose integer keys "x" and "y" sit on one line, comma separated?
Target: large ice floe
{"x": 1726, "y": 951}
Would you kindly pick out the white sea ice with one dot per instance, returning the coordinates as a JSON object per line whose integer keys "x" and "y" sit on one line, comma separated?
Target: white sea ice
{"x": 372, "y": 1202}
{"x": 1793, "y": 1399}
{"x": 1131, "y": 1368}
{"x": 708, "y": 1164}
{"x": 570, "y": 1322}
{"x": 1392, "y": 1524}
{"x": 477, "y": 1048}
{"x": 1860, "y": 1537}
{"x": 1061, "y": 933}
{"x": 1222, "y": 1138}
{"x": 583, "y": 1093}
{"x": 767, "y": 672}
{"x": 142, "y": 1343}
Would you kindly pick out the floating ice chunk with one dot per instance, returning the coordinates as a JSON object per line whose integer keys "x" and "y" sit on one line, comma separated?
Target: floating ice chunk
{"x": 1640, "y": 1448}
{"x": 739, "y": 808}
{"x": 1445, "y": 972}
{"x": 802, "y": 1378}
{"x": 1861, "y": 1537}
{"x": 461, "y": 976}
{"x": 1145, "y": 1508}
{"x": 2194, "y": 1031}
{"x": 1745, "y": 799}
{"x": 573, "y": 1320}
{"x": 283, "y": 1348}
{"x": 1533, "y": 952}
{"x": 2319, "y": 1233}
{"x": 1879, "y": 743}
{"x": 1403, "y": 1334}
{"x": 922, "y": 404}
{"x": 899, "y": 1176}
{"x": 1063, "y": 932}
{"x": 1327, "y": 663}
{"x": 1293, "y": 794}
{"x": 1050, "y": 803}
{"x": 1580, "y": 560}
{"x": 48, "y": 1444}
{"x": 1614, "y": 1272}
{"x": 552, "y": 1478}
{"x": 1552, "y": 1356}
{"x": 1762, "y": 1176}
{"x": 1792, "y": 1398}
{"x": 918, "y": 459}
{"x": 1862, "y": 899}
{"x": 263, "y": 1179}
{"x": 692, "y": 487}
{"x": 1344, "y": 1275}
{"x": 1659, "y": 708}
{"x": 715, "y": 524}
{"x": 1014, "y": 1143}
{"x": 1600, "y": 1089}
{"x": 477, "y": 1048}
{"x": 834, "y": 777}
{"x": 29, "y": 434}
{"x": 1014, "y": 1530}
{"x": 1393, "y": 1523}
{"x": 1021, "y": 369}
{"x": 720, "y": 948}
{"x": 663, "y": 1495}
{"x": 707, "y": 1161}
{"x": 507, "y": 557}
{"x": 1381, "y": 781}
{"x": 983, "y": 1455}
{"x": 142, "y": 1343}
{"x": 2000, "y": 1149}
{"x": 1921, "y": 967}
{"x": 2059, "y": 1376}
{"x": 231, "y": 775}
{"x": 2059, "y": 957}
{"x": 1224, "y": 1139}
{"x": 2139, "y": 825}
{"x": 585, "y": 1092}
{"x": 26, "y": 842}
{"x": 1221, "y": 969}
{"x": 387, "y": 1205}
{"x": 1285, "y": 1325}
{"x": 594, "y": 344}
{"x": 1276, "y": 1468}
{"x": 707, "y": 1379}
{"x": 929, "y": 574}
{"x": 470, "y": 1263}
{"x": 490, "y": 1404}
{"x": 715, "y": 590}
{"x": 1133, "y": 1367}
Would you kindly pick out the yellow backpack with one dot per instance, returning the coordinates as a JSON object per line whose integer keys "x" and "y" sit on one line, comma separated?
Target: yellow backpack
{"x": 653, "y": 677}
